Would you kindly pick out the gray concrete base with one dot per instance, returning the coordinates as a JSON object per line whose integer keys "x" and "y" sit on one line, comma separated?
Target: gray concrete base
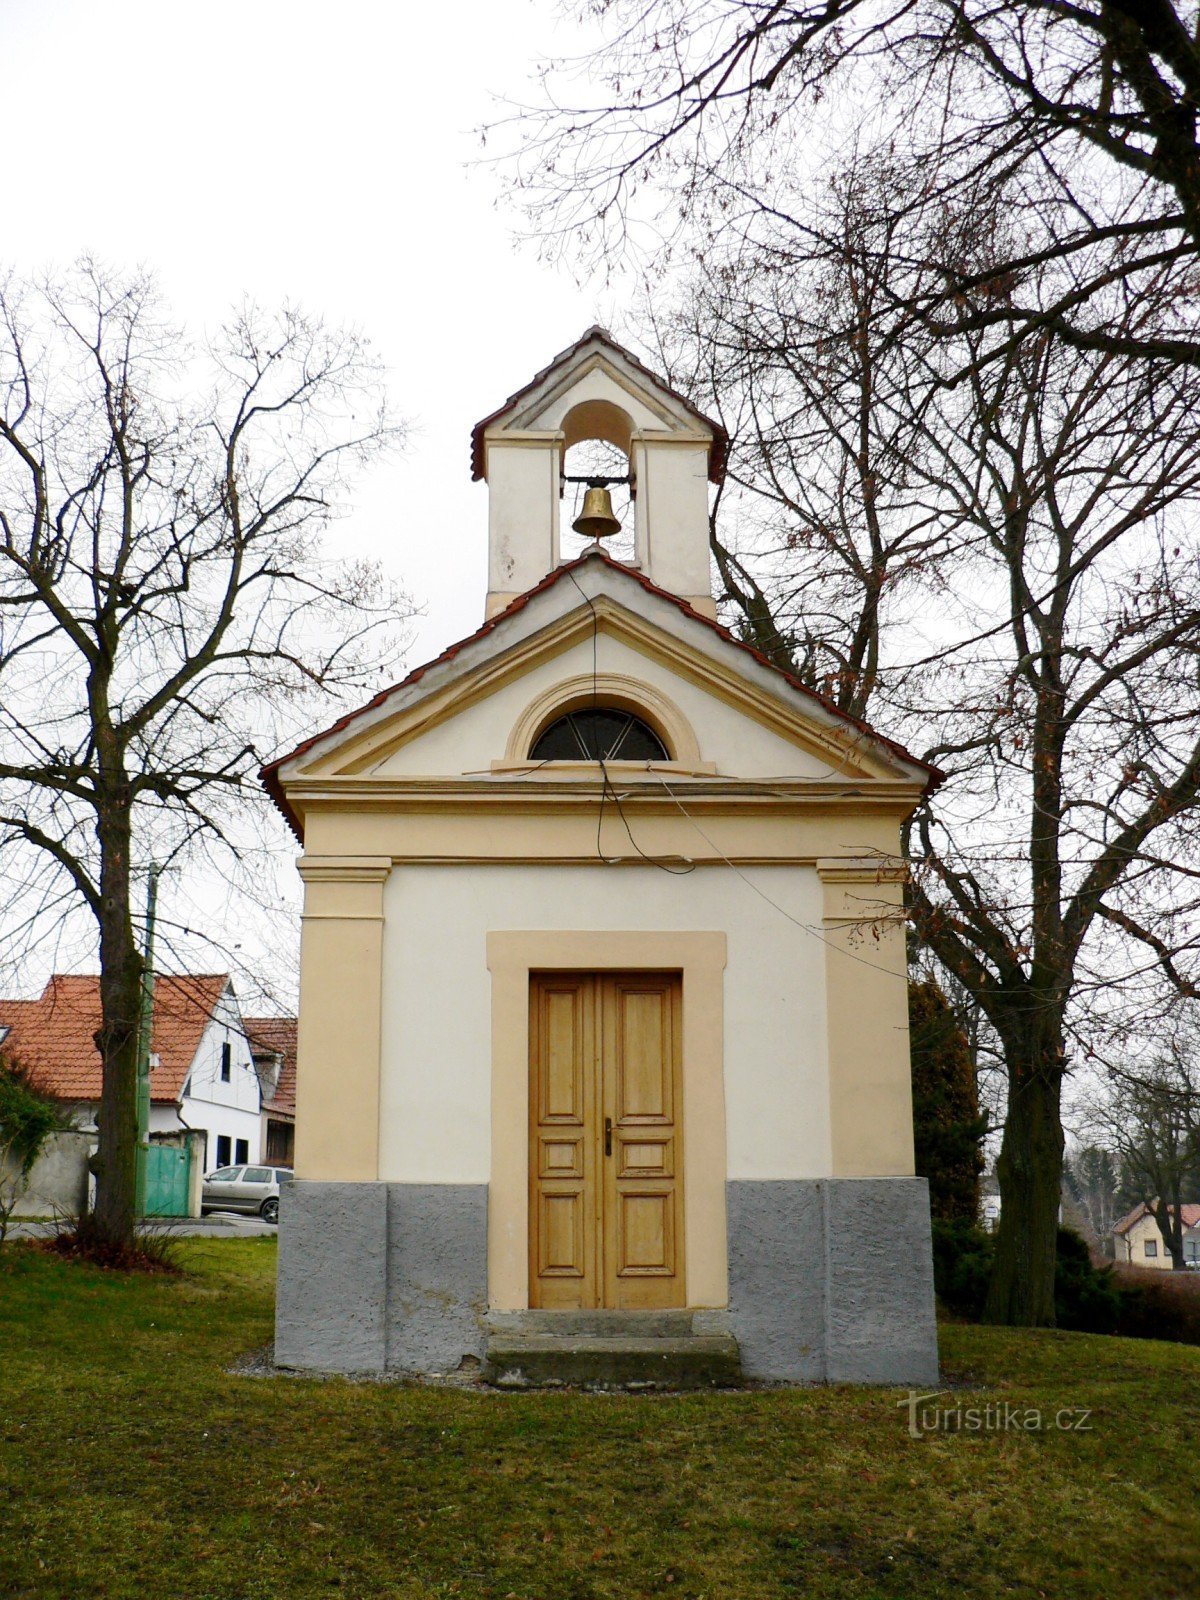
{"x": 377, "y": 1277}
{"x": 437, "y": 1275}
{"x": 831, "y": 1280}
{"x": 331, "y": 1292}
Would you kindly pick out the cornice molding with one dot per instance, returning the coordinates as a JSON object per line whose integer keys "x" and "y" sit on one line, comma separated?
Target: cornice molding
{"x": 344, "y": 869}
{"x": 641, "y": 791}
{"x": 862, "y": 869}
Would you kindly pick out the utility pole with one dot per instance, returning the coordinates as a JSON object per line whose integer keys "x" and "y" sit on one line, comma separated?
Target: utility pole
{"x": 145, "y": 1024}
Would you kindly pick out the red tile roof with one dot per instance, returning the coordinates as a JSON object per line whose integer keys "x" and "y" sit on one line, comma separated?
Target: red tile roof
{"x": 269, "y": 775}
{"x": 54, "y": 1036}
{"x": 1190, "y": 1214}
{"x": 717, "y": 453}
{"x": 277, "y": 1036}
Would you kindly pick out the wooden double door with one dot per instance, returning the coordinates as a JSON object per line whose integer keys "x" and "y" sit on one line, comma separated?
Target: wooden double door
{"x": 605, "y": 1141}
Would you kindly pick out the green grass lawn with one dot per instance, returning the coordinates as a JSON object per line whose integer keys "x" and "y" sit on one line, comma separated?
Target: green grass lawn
{"x": 132, "y": 1464}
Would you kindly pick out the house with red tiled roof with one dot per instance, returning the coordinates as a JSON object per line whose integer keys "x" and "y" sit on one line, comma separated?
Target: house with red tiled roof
{"x": 273, "y": 1046}
{"x": 1139, "y": 1241}
{"x": 603, "y": 991}
{"x": 202, "y": 1071}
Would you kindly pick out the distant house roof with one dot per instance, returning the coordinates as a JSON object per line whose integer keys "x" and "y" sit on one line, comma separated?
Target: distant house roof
{"x": 53, "y": 1037}
{"x": 1190, "y": 1214}
{"x": 12, "y": 1012}
{"x": 276, "y": 1036}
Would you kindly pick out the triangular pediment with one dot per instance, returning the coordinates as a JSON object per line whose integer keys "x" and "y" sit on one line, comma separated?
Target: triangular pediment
{"x": 729, "y": 714}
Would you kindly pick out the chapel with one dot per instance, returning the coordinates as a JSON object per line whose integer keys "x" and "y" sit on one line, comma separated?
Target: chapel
{"x": 603, "y": 1067}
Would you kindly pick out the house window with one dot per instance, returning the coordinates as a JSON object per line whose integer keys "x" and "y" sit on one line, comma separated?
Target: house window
{"x": 243, "y": 1151}
{"x": 226, "y": 1061}
{"x": 1151, "y": 1247}
{"x": 598, "y": 734}
{"x": 223, "y": 1149}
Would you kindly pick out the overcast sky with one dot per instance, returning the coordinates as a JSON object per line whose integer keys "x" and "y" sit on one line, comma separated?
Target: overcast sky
{"x": 322, "y": 154}
{"x": 327, "y": 155}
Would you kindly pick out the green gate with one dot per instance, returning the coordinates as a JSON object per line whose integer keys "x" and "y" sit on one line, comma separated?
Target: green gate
{"x": 168, "y": 1171}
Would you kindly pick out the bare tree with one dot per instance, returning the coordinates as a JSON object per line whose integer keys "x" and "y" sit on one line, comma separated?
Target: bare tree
{"x": 1083, "y": 117}
{"x": 1019, "y": 554}
{"x": 164, "y": 605}
{"x": 1092, "y": 1178}
{"x": 834, "y": 480}
{"x": 1151, "y": 1118}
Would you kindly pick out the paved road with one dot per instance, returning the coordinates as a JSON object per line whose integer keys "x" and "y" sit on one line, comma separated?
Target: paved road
{"x": 222, "y": 1225}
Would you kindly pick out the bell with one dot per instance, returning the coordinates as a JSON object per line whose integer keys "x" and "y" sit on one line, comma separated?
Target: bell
{"x": 596, "y": 520}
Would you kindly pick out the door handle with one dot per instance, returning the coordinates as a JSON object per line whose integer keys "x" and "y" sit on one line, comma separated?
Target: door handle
{"x": 608, "y": 1136}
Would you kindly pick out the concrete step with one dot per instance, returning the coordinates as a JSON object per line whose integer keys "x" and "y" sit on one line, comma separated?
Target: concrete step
{"x": 625, "y": 1361}
{"x": 594, "y": 1324}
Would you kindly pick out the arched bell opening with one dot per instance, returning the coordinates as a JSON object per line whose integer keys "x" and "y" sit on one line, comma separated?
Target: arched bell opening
{"x": 597, "y": 449}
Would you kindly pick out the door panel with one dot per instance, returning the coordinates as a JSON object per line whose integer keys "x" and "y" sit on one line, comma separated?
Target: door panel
{"x": 644, "y": 1236}
{"x": 561, "y": 1233}
{"x": 646, "y": 1158}
{"x": 563, "y": 1156}
{"x": 642, "y": 1188}
{"x": 605, "y": 1161}
{"x": 641, "y": 1024}
{"x": 561, "y": 1084}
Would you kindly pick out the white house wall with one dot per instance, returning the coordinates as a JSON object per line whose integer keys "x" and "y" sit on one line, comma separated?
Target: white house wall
{"x": 472, "y": 740}
{"x": 435, "y": 1083}
{"x": 218, "y": 1108}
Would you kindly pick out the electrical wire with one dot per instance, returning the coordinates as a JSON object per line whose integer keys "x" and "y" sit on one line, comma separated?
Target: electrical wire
{"x": 805, "y": 927}
{"x": 760, "y": 786}
{"x": 606, "y": 784}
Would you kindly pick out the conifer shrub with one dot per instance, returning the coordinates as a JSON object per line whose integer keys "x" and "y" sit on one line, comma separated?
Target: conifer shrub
{"x": 948, "y": 1126}
{"x": 1087, "y": 1297}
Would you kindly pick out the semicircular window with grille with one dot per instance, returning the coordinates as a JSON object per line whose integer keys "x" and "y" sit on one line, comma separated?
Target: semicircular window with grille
{"x": 598, "y": 733}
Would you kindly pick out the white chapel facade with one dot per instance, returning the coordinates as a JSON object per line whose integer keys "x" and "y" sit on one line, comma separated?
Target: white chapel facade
{"x": 603, "y": 991}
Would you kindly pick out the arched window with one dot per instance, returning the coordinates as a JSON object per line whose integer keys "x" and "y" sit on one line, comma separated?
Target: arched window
{"x": 598, "y": 733}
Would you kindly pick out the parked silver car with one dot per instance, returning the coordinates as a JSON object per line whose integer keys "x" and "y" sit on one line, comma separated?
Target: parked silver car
{"x": 254, "y": 1190}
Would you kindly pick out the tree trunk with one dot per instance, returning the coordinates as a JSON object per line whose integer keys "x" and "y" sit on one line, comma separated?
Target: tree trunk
{"x": 1175, "y": 1237}
{"x": 1168, "y": 1213}
{"x": 117, "y": 1037}
{"x": 1021, "y": 1291}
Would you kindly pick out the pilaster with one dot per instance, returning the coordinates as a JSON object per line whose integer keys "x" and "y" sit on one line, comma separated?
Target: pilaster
{"x": 866, "y": 995}
{"x": 338, "y": 1049}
